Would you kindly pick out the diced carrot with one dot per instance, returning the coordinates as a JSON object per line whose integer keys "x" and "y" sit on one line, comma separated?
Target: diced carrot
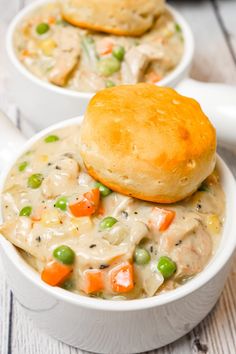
{"x": 93, "y": 281}
{"x": 153, "y": 77}
{"x": 162, "y": 218}
{"x": 25, "y": 53}
{"x": 82, "y": 208}
{"x": 88, "y": 205}
{"x": 51, "y": 20}
{"x": 35, "y": 218}
{"x": 93, "y": 196}
{"x": 104, "y": 46}
{"x": 55, "y": 273}
{"x": 122, "y": 278}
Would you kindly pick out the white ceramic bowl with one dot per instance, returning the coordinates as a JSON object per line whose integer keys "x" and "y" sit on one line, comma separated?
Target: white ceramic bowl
{"x": 114, "y": 327}
{"x": 43, "y": 103}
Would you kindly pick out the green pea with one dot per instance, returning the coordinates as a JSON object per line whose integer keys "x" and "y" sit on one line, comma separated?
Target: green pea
{"x": 64, "y": 254}
{"x": 103, "y": 189}
{"x": 107, "y": 223}
{"x": 42, "y": 28}
{"x": 166, "y": 266}
{"x": 119, "y": 53}
{"x": 108, "y": 66}
{"x": 26, "y": 211}
{"x": 61, "y": 203}
{"x": 22, "y": 166}
{"x": 110, "y": 83}
{"x": 51, "y": 139}
{"x": 141, "y": 256}
{"x": 35, "y": 180}
{"x": 29, "y": 152}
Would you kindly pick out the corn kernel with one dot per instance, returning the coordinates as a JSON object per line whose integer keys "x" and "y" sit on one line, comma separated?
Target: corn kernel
{"x": 213, "y": 223}
{"x": 47, "y": 46}
{"x": 43, "y": 158}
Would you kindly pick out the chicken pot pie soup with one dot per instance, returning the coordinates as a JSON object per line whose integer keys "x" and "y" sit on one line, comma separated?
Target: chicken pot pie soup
{"x": 83, "y": 60}
{"x": 84, "y": 237}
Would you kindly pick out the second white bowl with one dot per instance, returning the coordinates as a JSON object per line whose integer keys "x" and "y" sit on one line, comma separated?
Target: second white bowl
{"x": 43, "y": 103}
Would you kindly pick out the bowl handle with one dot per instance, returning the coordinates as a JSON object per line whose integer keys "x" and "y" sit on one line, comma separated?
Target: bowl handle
{"x": 10, "y": 140}
{"x": 219, "y": 103}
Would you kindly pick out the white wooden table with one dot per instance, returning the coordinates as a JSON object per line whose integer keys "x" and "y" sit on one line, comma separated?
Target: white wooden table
{"x": 214, "y": 26}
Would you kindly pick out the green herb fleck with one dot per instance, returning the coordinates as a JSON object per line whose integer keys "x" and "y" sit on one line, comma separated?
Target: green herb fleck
{"x": 68, "y": 284}
{"x": 22, "y": 166}
{"x": 51, "y": 139}
{"x": 204, "y": 188}
{"x": 178, "y": 28}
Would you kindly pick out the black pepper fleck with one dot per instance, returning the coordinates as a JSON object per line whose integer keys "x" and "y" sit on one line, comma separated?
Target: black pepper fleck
{"x": 57, "y": 167}
{"x": 68, "y": 154}
{"x": 93, "y": 245}
{"x": 136, "y": 212}
{"x": 151, "y": 249}
{"x": 103, "y": 266}
{"x": 124, "y": 214}
{"x": 38, "y": 239}
{"x": 178, "y": 243}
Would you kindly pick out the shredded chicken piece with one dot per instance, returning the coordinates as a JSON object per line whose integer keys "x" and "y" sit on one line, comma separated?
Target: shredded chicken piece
{"x": 193, "y": 254}
{"x": 136, "y": 62}
{"x": 63, "y": 176}
{"x": 151, "y": 278}
{"x": 68, "y": 53}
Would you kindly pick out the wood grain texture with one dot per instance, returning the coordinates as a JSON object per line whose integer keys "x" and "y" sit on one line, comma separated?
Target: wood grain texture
{"x": 212, "y": 61}
{"x": 214, "y": 26}
{"x": 227, "y": 16}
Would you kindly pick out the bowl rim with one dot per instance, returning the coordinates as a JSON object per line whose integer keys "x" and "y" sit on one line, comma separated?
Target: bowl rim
{"x": 221, "y": 257}
{"x": 176, "y": 74}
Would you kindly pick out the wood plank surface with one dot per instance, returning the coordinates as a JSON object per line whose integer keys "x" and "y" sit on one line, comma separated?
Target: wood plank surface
{"x": 227, "y": 17}
{"x": 214, "y": 26}
{"x": 213, "y": 60}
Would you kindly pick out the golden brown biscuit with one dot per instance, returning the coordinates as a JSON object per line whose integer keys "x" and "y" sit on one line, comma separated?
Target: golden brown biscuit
{"x": 147, "y": 142}
{"x": 119, "y": 17}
